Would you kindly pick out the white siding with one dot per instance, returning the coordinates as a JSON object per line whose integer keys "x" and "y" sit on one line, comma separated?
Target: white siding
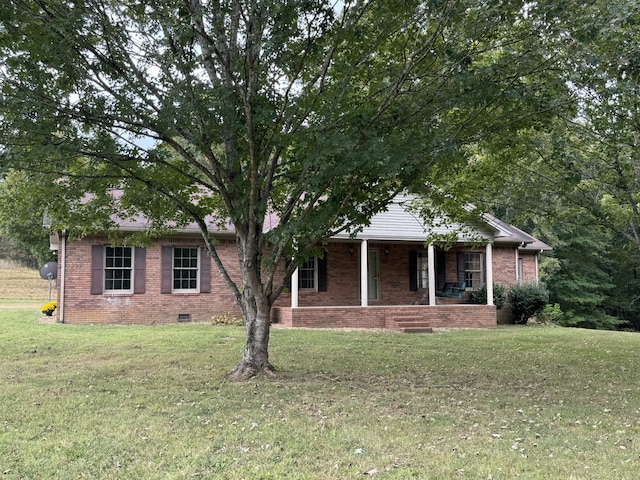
{"x": 398, "y": 224}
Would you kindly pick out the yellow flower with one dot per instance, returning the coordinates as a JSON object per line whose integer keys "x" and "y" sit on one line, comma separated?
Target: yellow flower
{"x": 48, "y": 308}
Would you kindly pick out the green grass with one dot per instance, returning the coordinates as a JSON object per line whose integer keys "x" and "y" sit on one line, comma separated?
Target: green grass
{"x": 151, "y": 402}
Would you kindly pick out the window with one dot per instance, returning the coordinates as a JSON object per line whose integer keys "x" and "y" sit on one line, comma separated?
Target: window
{"x": 307, "y": 275}
{"x": 185, "y": 269}
{"x": 520, "y": 271}
{"x": 423, "y": 270}
{"x": 473, "y": 270}
{"x": 118, "y": 269}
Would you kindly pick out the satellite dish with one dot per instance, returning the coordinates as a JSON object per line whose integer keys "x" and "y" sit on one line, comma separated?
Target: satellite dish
{"x": 49, "y": 271}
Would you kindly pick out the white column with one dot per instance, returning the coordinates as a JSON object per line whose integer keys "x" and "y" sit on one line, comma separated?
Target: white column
{"x": 489, "y": 267}
{"x": 364, "y": 273}
{"x": 294, "y": 289}
{"x": 431, "y": 258}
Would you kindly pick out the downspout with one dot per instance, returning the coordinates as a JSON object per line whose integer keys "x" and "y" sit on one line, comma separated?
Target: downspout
{"x": 519, "y": 273}
{"x": 62, "y": 254}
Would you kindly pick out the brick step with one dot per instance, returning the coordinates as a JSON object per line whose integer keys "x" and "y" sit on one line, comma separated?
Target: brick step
{"x": 407, "y": 318}
{"x": 412, "y": 325}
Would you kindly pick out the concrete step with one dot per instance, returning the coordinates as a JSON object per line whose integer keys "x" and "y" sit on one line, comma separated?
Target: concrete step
{"x": 416, "y": 330}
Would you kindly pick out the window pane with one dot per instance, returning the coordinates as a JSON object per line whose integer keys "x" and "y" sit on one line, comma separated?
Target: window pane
{"x": 423, "y": 270}
{"x": 307, "y": 275}
{"x": 185, "y": 268}
{"x": 118, "y": 268}
{"x": 473, "y": 274}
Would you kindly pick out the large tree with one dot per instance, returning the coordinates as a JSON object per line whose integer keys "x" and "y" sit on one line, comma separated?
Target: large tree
{"x": 317, "y": 111}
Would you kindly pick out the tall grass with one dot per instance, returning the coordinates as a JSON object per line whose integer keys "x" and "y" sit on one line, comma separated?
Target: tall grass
{"x": 22, "y": 286}
{"x": 151, "y": 402}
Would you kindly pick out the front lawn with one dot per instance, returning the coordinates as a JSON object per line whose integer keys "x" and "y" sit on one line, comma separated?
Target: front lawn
{"x": 150, "y": 402}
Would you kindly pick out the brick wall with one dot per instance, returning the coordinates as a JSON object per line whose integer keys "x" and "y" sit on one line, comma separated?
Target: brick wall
{"x": 529, "y": 266}
{"x": 343, "y": 287}
{"x": 149, "y": 307}
{"x": 445, "y": 316}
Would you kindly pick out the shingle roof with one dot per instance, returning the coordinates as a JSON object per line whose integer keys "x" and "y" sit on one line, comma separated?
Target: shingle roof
{"x": 396, "y": 223}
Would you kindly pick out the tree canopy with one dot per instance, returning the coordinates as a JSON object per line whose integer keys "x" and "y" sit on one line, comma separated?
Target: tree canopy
{"x": 318, "y": 111}
{"x": 576, "y": 182}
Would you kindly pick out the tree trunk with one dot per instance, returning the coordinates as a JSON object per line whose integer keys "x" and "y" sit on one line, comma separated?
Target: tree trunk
{"x": 256, "y": 310}
{"x": 255, "y": 358}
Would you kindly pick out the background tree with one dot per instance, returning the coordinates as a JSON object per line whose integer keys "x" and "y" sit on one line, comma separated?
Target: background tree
{"x": 576, "y": 182}
{"x": 318, "y": 111}
{"x": 25, "y": 240}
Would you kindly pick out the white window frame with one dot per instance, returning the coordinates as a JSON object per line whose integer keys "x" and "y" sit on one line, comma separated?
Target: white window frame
{"x": 175, "y": 289}
{"x": 306, "y": 267}
{"x": 467, "y": 278}
{"x": 422, "y": 265}
{"x": 106, "y": 268}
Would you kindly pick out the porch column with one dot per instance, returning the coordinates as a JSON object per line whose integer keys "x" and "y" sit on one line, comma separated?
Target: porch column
{"x": 294, "y": 289}
{"x": 431, "y": 258}
{"x": 489, "y": 267}
{"x": 364, "y": 274}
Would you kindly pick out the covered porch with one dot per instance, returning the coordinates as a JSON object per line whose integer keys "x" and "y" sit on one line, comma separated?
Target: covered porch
{"x": 383, "y": 285}
{"x": 392, "y": 274}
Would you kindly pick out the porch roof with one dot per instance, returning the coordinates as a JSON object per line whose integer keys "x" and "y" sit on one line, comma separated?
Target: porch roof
{"x": 399, "y": 223}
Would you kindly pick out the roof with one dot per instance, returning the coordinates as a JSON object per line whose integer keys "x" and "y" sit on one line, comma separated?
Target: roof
{"x": 397, "y": 223}
{"x": 515, "y": 235}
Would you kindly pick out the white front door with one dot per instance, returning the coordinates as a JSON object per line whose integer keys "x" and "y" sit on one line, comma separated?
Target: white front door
{"x": 373, "y": 277}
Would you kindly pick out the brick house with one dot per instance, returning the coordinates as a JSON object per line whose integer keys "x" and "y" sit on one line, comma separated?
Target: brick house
{"x": 385, "y": 277}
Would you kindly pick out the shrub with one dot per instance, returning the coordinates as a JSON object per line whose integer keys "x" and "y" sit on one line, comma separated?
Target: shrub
{"x": 480, "y": 296}
{"x": 527, "y": 300}
{"x": 551, "y": 314}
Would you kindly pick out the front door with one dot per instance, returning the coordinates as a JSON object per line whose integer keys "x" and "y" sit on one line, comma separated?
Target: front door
{"x": 373, "y": 281}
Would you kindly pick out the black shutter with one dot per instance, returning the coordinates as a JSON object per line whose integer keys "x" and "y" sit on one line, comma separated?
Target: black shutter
{"x": 461, "y": 267}
{"x": 139, "y": 272}
{"x": 322, "y": 273}
{"x": 167, "y": 269}
{"x": 441, "y": 262}
{"x": 97, "y": 262}
{"x": 205, "y": 271}
{"x": 413, "y": 270}
{"x": 287, "y": 281}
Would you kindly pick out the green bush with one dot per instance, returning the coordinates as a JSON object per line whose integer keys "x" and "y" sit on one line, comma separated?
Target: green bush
{"x": 480, "y": 296}
{"x": 551, "y": 314}
{"x": 527, "y": 300}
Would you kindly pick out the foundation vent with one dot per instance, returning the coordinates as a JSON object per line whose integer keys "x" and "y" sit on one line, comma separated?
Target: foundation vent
{"x": 184, "y": 317}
